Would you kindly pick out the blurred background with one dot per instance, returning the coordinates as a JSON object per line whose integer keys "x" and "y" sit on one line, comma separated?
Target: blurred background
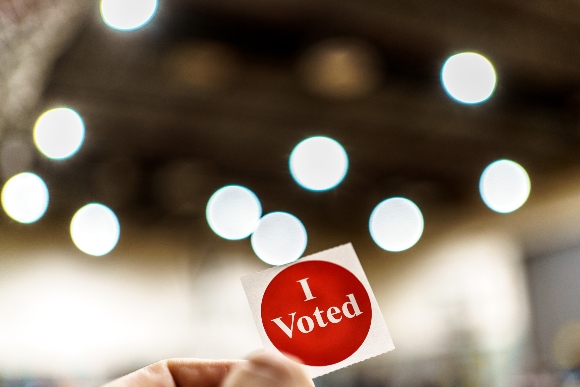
{"x": 121, "y": 119}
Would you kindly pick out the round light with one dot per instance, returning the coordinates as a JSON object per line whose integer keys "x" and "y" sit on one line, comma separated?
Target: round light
{"x": 396, "y": 224}
{"x": 233, "y": 212}
{"x": 126, "y": 15}
{"x": 504, "y": 186}
{"x": 59, "y": 133}
{"x": 280, "y": 238}
{"x": 341, "y": 68}
{"x": 468, "y": 77}
{"x": 95, "y": 229}
{"x": 318, "y": 163}
{"x": 25, "y": 197}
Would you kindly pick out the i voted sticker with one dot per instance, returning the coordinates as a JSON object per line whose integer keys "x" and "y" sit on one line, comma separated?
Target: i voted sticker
{"x": 325, "y": 315}
{"x": 320, "y": 310}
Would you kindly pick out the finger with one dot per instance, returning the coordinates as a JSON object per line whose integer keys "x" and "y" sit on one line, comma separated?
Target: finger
{"x": 200, "y": 373}
{"x": 265, "y": 369}
{"x": 156, "y": 374}
{"x": 177, "y": 373}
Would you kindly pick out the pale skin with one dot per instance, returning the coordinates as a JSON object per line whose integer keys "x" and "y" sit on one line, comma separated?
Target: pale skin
{"x": 260, "y": 370}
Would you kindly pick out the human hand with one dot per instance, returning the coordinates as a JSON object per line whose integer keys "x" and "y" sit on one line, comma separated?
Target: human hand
{"x": 261, "y": 369}
{"x": 266, "y": 369}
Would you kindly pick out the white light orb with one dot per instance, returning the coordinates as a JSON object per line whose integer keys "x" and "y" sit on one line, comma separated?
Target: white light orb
{"x": 59, "y": 133}
{"x": 280, "y": 238}
{"x": 396, "y": 224}
{"x": 468, "y": 77}
{"x": 25, "y": 197}
{"x": 95, "y": 229}
{"x": 318, "y": 163}
{"x": 126, "y": 15}
{"x": 233, "y": 212}
{"x": 504, "y": 186}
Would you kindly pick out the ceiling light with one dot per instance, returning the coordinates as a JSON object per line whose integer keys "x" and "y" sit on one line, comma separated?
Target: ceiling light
{"x": 504, "y": 186}
{"x": 280, "y": 238}
{"x": 318, "y": 163}
{"x": 126, "y": 15}
{"x": 25, "y": 197}
{"x": 233, "y": 212}
{"x": 396, "y": 224}
{"x": 95, "y": 229}
{"x": 468, "y": 77}
{"x": 59, "y": 133}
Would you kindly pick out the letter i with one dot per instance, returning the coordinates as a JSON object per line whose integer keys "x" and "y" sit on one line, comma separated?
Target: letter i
{"x": 306, "y": 289}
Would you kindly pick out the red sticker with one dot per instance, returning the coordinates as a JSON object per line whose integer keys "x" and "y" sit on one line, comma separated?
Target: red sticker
{"x": 317, "y": 311}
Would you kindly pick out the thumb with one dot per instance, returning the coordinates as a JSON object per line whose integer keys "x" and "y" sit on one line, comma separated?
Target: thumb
{"x": 266, "y": 369}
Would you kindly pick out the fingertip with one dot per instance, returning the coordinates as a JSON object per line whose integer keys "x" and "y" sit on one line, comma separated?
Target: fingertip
{"x": 200, "y": 372}
{"x": 270, "y": 355}
{"x": 267, "y": 368}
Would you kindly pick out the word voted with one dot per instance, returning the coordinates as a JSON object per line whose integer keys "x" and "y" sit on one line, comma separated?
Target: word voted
{"x": 305, "y": 324}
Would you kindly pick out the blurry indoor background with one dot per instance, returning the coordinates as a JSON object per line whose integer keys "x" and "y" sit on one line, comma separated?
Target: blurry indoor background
{"x": 161, "y": 104}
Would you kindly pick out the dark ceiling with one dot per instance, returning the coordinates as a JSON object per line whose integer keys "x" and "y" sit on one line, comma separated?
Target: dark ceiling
{"x": 214, "y": 92}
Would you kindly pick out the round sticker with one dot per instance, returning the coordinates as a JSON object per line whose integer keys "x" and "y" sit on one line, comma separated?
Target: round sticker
{"x": 316, "y": 311}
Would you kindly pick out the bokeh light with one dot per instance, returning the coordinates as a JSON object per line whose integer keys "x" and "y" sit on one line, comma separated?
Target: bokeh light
{"x": 504, "y": 186}
{"x": 396, "y": 224}
{"x": 126, "y": 15}
{"x": 95, "y": 229}
{"x": 59, "y": 133}
{"x": 341, "y": 68}
{"x": 318, "y": 163}
{"x": 233, "y": 212}
{"x": 468, "y": 77}
{"x": 25, "y": 197}
{"x": 280, "y": 238}
{"x": 203, "y": 64}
